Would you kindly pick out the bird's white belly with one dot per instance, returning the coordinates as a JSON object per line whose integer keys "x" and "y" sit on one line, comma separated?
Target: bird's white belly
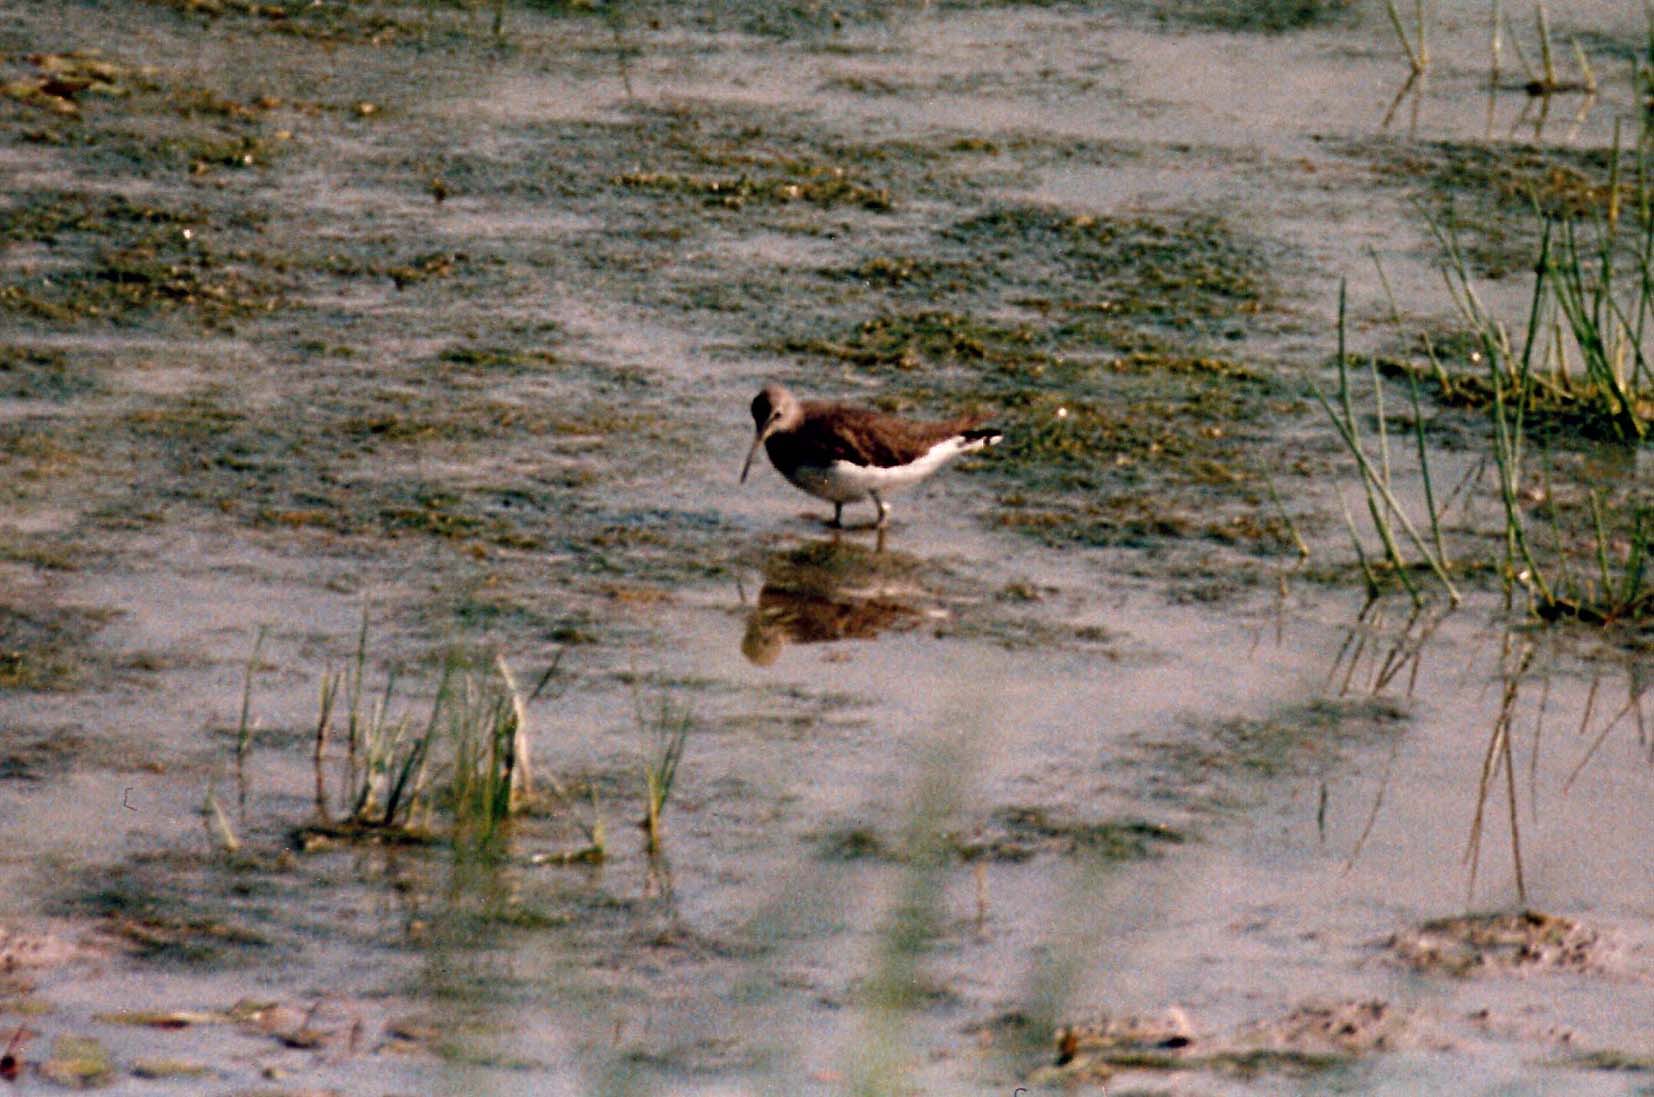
{"x": 843, "y": 482}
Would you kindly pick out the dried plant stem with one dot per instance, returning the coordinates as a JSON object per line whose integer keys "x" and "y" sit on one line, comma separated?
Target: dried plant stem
{"x": 1416, "y": 48}
{"x": 1280, "y": 507}
{"x": 1547, "y": 63}
{"x": 244, "y": 726}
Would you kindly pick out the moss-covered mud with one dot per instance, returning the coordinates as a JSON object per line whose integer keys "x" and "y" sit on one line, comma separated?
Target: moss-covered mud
{"x": 308, "y": 310}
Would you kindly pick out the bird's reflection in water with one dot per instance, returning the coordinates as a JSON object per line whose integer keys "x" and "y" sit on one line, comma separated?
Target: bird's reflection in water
{"x": 835, "y": 590}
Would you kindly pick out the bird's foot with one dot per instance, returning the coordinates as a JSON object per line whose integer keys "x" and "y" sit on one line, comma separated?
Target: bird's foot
{"x": 884, "y": 511}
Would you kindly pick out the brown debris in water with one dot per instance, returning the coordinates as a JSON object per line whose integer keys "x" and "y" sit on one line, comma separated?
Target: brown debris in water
{"x": 1019, "y": 833}
{"x": 1352, "y": 1027}
{"x": 1521, "y": 942}
{"x": 60, "y": 79}
{"x": 25, "y": 949}
{"x": 1170, "y": 1030}
{"x": 424, "y": 268}
{"x": 11, "y": 1063}
{"x": 1309, "y": 1038}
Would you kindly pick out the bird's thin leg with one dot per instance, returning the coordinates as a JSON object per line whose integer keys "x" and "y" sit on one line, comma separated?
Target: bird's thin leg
{"x": 884, "y": 511}
{"x": 838, "y": 516}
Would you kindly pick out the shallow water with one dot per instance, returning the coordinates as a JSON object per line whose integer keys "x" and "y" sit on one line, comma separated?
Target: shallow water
{"x": 486, "y": 374}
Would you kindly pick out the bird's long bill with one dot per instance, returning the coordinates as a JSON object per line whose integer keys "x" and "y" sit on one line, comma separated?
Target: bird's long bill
{"x": 757, "y": 441}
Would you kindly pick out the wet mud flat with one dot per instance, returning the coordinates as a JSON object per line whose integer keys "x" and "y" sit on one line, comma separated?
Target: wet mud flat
{"x": 361, "y": 363}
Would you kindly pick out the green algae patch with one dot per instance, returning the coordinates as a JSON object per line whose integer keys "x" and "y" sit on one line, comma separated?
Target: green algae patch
{"x": 1559, "y": 181}
{"x": 89, "y": 100}
{"x": 78, "y": 1062}
{"x": 856, "y": 843}
{"x": 1077, "y": 444}
{"x": 465, "y": 359}
{"x": 1247, "y": 16}
{"x": 821, "y": 186}
{"x": 180, "y": 909}
{"x": 28, "y": 373}
{"x": 161, "y": 1069}
{"x": 1021, "y": 833}
{"x": 148, "y": 273}
{"x": 1159, "y": 447}
{"x": 424, "y": 268}
{"x": 1299, "y": 739}
{"x": 1505, "y": 191}
{"x": 50, "y": 218}
{"x": 926, "y": 339}
{"x": 1608, "y": 1060}
{"x": 304, "y": 462}
{"x": 1101, "y": 358}
{"x": 123, "y": 261}
{"x": 1013, "y": 835}
{"x": 36, "y": 756}
{"x": 1556, "y": 407}
{"x": 894, "y": 271}
{"x": 1178, "y": 271}
{"x": 327, "y": 24}
{"x": 445, "y": 514}
{"x": 1232, "y": 764}
{"x": 1024, "y": 633}
{"x": 48, "y": 648}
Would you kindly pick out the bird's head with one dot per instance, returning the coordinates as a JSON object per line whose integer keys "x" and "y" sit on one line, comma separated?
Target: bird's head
{"x": 773, "y": 409}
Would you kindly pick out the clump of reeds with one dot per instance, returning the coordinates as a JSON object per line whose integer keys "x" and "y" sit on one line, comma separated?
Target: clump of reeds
{"x": 387, "y": 759}
{"x": 469, "y": 752}
{"x": 1579, "y": 368}
{"x": 1581, "y": 362}
{"x": 1388, "y": 516}
{"x": 466, "y": 755}
{"x": 486, "y": 720}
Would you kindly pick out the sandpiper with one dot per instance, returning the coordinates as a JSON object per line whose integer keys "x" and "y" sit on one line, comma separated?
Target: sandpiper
{"x": 842, "y": 453}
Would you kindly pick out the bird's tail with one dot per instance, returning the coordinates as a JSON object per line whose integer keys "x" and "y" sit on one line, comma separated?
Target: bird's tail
{"x": 979, "y": 438}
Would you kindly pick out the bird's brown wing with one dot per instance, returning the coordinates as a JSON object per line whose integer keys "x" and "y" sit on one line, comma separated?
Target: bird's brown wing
{"x": 865, "y": 437}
